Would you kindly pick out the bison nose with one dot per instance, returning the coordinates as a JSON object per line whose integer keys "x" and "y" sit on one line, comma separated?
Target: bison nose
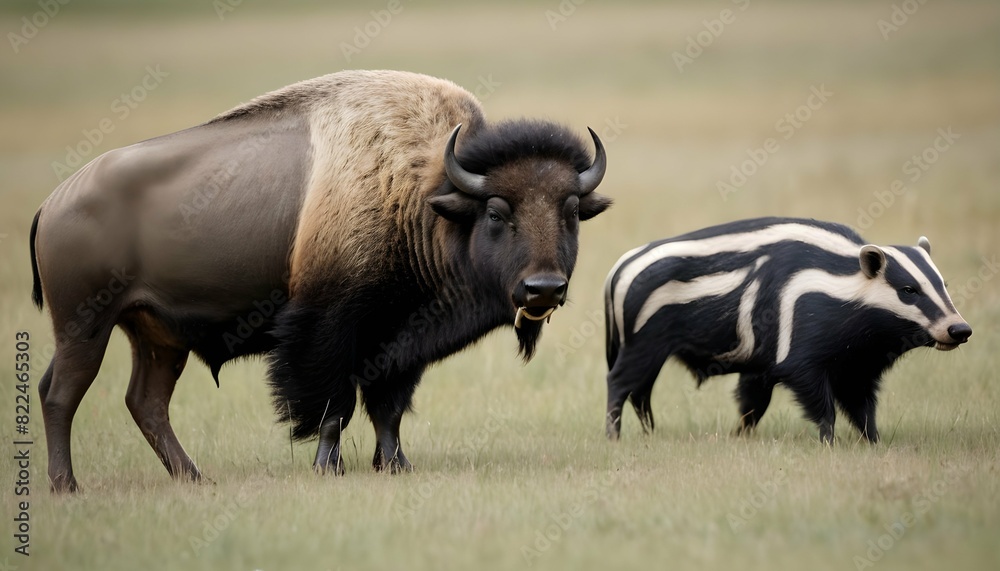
{"x": 544, "y": 290}
{"x": 960, "y": 332}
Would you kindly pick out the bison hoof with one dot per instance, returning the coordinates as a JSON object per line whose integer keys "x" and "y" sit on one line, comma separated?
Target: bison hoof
{"x": 395, "y": 465}
{"x": 63, "y": 485}
{"x": 334, "y": 467}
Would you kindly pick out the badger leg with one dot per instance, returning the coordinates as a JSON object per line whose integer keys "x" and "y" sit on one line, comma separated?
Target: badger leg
{"x": 640, "y": 402}
{"x": 814, "y": 394}
{"x": 73, "y": 369}
{"x": 155, "y": 370}
{"x": 754, "y": 395}
{"x": 859, "y": 406}
{"x": 633, "y": 376}
{"x": 386, "y": 401}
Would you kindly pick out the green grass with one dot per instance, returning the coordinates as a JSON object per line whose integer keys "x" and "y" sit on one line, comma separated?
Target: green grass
{"x": 507, "y": 453}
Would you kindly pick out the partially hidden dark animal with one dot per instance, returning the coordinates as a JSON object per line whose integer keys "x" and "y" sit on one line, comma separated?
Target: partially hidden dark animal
{"x": 803, "y": 303}
{"x": 331, "y": 226}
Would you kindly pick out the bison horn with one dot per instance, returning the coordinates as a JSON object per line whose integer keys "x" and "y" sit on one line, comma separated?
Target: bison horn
{"x": 470, "y": 183}
{"x": 590, "y": 178}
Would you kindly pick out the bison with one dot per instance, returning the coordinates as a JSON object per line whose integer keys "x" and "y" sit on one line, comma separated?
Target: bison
{"x": 330, "y": 225}
{"x": 779, "y": 300}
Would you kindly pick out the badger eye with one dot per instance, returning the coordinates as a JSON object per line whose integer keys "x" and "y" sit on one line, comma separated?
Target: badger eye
{"x": 909, "y": 290}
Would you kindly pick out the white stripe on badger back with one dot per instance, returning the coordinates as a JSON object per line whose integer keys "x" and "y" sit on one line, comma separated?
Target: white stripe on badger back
{"x": 858, "y": 288}
{"x": 677, "y": 292}
{"x": 744, "y": 326}
{"x": 740, "y": 242}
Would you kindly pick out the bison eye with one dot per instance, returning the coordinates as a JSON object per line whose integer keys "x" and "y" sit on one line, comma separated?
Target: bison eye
{"x": 494, "y": 216}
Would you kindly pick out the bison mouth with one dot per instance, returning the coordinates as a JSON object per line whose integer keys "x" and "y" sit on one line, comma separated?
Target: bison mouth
{"x": 532, "y": 313}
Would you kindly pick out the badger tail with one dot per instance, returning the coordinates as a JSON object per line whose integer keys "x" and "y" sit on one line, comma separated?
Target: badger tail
{"x": 36, "y": 286}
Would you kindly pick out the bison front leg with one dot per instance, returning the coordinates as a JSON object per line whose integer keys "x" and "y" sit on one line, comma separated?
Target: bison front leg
{"x": 328, "y": 459}
{"x": 386, "y": 400}
{"x": 338, "y": 413}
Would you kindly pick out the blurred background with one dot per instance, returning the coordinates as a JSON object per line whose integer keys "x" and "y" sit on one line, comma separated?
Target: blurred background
{"x": 881, "y": 115}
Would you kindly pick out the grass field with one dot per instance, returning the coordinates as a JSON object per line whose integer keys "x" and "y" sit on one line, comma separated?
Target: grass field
{"x": 512, "y": 465}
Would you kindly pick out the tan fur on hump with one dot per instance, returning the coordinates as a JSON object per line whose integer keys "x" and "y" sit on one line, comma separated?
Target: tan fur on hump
{"x": 377, "y": 140}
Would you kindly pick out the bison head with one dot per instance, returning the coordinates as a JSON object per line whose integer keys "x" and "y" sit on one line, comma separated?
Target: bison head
{"x": 519, "y": 199}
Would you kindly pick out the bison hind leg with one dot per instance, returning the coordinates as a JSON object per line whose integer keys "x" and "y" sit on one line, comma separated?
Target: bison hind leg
{"x": 73, "y": 369}
{"x": 155, "y": 370}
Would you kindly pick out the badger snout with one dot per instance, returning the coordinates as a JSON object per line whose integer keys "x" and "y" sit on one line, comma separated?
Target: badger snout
{"x": 958, "y": 333}
{"x": 541, "y": 291}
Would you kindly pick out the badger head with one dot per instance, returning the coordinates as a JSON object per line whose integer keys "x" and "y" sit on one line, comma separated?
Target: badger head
{"x": 904, "y": 280}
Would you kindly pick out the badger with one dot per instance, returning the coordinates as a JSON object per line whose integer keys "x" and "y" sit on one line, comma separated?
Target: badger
{"x": 804, "y": 303}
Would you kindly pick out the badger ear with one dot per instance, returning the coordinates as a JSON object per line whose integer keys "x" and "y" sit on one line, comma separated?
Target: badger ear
{"x": 924, "y": 243}
{"x": 872, "y": 260}
{"x": 592, "y": 204}
{"x": 455, "y": 206}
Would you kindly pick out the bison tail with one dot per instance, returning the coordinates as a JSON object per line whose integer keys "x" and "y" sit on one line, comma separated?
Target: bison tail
{"x": 36, "y": 286}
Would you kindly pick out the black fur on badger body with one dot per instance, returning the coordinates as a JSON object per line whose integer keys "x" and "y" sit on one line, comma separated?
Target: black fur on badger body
{"x": 778, "y": 300}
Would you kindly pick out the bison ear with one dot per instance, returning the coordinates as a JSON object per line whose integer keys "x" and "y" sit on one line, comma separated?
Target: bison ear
{"x": 455, "y": 206}
{"x": 592, "y": 204}
{"x": 872, "y": 260}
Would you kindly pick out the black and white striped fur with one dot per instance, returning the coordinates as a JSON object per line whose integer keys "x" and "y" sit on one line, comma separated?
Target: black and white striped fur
{"x": 777, "y": 300}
